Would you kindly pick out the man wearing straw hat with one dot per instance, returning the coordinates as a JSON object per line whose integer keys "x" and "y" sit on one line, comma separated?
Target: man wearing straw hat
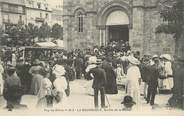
{"x": 99, "y": 82}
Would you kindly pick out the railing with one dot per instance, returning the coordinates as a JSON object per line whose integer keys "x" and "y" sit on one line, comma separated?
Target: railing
{"x": 37, "y": 19}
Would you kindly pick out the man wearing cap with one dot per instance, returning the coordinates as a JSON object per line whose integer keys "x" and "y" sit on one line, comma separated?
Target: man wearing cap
{"x": 99, "y": 82}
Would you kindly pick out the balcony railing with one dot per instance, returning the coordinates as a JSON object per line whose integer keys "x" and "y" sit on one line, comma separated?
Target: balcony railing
{"x": 6, "y": 21}
{"x": 37, "y": 19}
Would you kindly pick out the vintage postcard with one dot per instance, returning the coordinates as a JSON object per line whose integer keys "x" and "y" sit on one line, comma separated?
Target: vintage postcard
{"x": 91, "y": 57}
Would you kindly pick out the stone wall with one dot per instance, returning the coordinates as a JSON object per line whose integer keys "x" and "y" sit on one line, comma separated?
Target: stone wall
{"x": 91, "y": 35}
{"x": 156, "y": 43}
{"x": 137, "y": 35}
{"x": 145, "y": 18}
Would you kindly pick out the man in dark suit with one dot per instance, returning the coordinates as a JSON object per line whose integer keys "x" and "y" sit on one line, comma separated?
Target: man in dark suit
{"x": 99, "y": 81}
{"x": 153, "y": 81}
{"x": 79, "y": 63}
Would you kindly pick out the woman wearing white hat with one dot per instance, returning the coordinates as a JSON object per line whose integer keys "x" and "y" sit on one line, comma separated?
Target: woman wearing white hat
{"x": 133, "y": 77}
{"x": 60, "y": 85}
{"x": 168, "y": 82}
{"x": 92, "y": 64}
{"x": 44, "y": 94}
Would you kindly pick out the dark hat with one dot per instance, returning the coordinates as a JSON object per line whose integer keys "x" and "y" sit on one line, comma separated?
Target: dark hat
{"x": 128, "y": 101}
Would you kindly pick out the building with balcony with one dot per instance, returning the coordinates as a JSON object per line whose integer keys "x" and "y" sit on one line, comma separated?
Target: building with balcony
{"x": 38, "y": 12}
{"x": 12, "y": 12}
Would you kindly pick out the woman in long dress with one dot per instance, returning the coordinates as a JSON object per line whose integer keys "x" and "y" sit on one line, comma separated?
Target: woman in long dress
{"x": 12, "y": 80}
{"x": 36, "y": 82}
{"x": 60, "y": 85}
{"x": 168, "y": 82}
{"x": 44, "y": 95}
{"x": 133, "y": 77}
{"x": 111, "y": 85}
{"x": 88, "y": 86}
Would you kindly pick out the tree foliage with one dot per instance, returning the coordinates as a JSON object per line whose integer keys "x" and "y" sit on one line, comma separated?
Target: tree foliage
{"x": 173, "y": 18}
{"x": 32, "y": 31}
{"x": 44, "y": 32}
{"x": 12, "y": 32}
{"x": 24, "y": 35}
{"x": 57, "y": 31}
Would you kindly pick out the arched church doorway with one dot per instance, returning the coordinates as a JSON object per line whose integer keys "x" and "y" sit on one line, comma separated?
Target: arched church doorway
{"x": 117, "y": 26}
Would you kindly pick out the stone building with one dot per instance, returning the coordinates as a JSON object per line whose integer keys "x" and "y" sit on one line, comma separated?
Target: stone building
{"x": 57, "y": 11}
{"x": 38, "y": 12}
{"x": 57, "y": 16}
{"x": 88, "y": 23}
{"x": 12, "y": 12}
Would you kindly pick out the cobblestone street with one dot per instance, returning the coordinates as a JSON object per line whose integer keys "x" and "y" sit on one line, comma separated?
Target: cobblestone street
{"x": 80, "y": 99}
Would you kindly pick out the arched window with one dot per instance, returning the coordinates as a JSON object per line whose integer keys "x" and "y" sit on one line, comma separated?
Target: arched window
{"x": 80, "y": 22}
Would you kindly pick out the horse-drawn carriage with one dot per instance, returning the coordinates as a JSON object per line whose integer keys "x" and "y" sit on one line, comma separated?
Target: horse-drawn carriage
{"x": 42, "y": 53}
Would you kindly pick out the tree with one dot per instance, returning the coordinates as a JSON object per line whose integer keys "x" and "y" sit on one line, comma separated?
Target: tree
{"x": 32, "y": 32}
{"x": 44, "y": 32}
{"x": 23, "y": 36}
{"x": 17, "y": 35}
{"x": 173, "y": 17}
{"x": 1, "y": 35}
{"x": 12, "y": 31}
{"x": 57, "y": 31}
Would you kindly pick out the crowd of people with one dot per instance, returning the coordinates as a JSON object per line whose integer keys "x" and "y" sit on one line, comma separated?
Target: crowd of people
{"x": 105, "y": 67}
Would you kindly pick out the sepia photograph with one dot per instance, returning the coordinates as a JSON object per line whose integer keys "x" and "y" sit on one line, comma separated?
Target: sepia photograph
{"x": 92, "y": 57}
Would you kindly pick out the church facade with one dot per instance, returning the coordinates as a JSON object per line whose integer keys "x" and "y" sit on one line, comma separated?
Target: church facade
{"x": 89, "y": 23}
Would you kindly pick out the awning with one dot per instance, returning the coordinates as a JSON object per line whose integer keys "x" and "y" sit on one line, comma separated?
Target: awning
{"x": 46, "y": 44}
{"x": 59, "y": 43}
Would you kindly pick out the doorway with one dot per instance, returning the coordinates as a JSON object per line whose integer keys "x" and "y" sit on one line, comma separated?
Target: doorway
{"x": 118, "y": 33}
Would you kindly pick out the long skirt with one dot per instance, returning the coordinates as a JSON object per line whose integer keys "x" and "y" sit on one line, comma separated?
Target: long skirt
{"x": 166, "y": 84}
{"x": 35, "y": 85}
{"x": 42, "y": 103}
{"x": 133, "y": 90}
{"x": 111, "y": 86}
